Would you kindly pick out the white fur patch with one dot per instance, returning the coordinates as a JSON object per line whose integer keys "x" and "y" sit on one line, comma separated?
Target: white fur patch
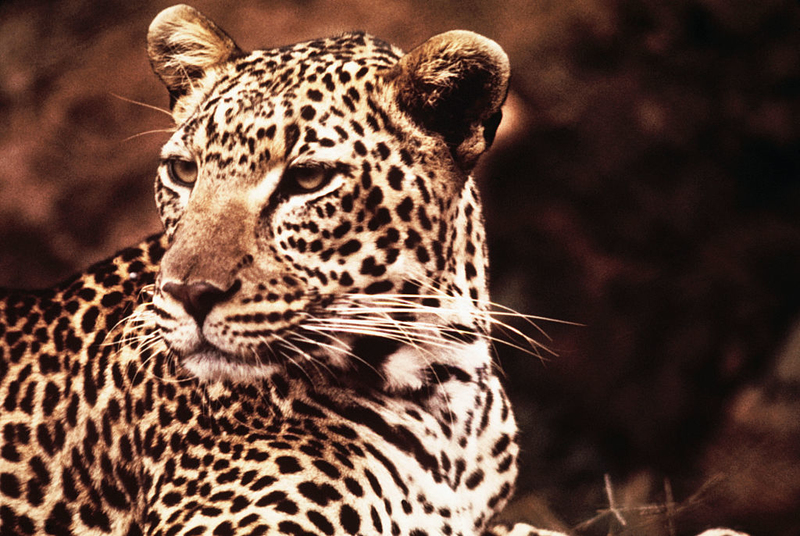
{"x": 210, "y": 366}
{"x": 405, "y": 368}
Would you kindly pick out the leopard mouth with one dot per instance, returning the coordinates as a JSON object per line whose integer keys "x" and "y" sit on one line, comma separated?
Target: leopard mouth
{"x": 207, "y": 361}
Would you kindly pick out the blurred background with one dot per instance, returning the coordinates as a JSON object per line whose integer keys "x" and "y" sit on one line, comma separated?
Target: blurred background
{"x": 645, "y": 187}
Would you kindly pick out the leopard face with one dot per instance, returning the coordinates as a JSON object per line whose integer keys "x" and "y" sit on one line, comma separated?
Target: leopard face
{"x": 318, "y": 202}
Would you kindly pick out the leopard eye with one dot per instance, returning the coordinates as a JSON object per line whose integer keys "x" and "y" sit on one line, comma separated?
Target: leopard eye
{"x": 306, "y": 179}
{"x": 183, "y": 172}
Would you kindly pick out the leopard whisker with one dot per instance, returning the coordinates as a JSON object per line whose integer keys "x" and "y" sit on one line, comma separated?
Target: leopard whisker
{"x": 368, "y": 328}
{"x": 147, "y": 346}
{"x": 309, "y": 358}
{"x": 337, "y": 349}
{"x": 288, "y": 357}
{"x": 143, "y": 104}
{"x": 139, "y": 317}
{"x": 146, "y": 132}
{"x": 403, "y": 304}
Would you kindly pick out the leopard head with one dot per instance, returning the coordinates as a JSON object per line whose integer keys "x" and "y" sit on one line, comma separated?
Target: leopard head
{"x": 318, "y": 202}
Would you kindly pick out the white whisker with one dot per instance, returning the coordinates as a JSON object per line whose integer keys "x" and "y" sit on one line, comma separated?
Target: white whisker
{"x": 146, "y": 132}
{"x": 143, "y": 104}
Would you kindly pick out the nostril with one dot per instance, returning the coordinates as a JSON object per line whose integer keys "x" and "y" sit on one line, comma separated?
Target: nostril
{"x": 199, "y": 298}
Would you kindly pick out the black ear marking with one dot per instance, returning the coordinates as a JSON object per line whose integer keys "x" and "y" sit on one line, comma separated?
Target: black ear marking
{"x": 490, "y": 127}
{"x": 454, "y": 84}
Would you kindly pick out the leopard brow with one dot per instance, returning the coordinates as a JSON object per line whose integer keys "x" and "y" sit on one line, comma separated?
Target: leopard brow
{"x": 261, "y": 193}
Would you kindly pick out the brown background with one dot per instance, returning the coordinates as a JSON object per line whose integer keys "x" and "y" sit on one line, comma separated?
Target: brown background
{"x": 646, "y": 185}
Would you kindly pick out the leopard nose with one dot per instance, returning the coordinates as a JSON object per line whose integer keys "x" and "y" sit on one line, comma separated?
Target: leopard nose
{"x": 199, "y": 298}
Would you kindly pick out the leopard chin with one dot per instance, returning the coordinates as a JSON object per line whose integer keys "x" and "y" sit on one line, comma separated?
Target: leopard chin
{"x": 210, "y": 365}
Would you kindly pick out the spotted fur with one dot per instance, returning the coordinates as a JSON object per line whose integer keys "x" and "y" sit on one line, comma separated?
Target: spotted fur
{"x": 305, "y": 350}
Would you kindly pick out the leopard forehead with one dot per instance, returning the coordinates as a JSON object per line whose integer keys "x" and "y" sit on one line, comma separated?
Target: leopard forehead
{"x": 314, "y": 81}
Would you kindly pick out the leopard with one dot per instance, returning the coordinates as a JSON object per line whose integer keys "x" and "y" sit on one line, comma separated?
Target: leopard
{"x": 305, "y": 349}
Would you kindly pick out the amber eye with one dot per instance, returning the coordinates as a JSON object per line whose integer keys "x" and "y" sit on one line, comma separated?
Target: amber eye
{"x": 183, "y": 172}
{"x": 305, "y": 179}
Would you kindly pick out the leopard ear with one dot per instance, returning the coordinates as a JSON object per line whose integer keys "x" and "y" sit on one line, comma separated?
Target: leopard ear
{"x": 182, "y": 44}
{"x": 454, "y": 84}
